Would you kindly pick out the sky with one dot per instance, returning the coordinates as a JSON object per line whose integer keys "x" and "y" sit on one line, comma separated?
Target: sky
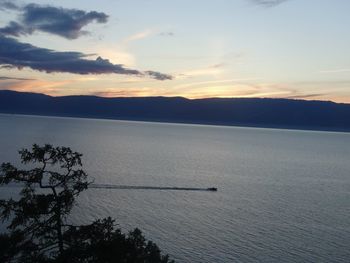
{"x": 297, "y": 49}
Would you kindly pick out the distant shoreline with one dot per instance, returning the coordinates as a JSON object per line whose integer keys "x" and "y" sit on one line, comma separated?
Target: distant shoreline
{"x": 311, "y": 129}
{"x": 239, "y": 112}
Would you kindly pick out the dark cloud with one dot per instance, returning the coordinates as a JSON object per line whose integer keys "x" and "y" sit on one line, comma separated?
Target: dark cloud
{"x": 14, "y": 54}
{"x": 67, "y": 23}
{"x": 268, "y": 3}
{"x": 4, "y": 5}
{"x": 15, "y": 29}
{"x": 157, "y": 75}
{"x": 11, "y": 78}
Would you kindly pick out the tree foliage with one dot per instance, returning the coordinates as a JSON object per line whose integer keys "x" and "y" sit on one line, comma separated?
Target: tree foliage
{"x": 37, "y": 220}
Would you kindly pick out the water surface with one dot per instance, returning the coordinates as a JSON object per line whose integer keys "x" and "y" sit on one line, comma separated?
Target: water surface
{"x": 282, "y": 195}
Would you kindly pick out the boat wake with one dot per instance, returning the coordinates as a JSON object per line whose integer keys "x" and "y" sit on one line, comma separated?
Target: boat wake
{"x": 134, "y": 187}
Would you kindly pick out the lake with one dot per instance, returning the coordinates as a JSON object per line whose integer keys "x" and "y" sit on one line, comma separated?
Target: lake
{"x": 283, "y": 195}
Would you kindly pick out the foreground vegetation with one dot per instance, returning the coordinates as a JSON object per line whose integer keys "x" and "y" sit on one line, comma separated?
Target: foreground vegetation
{"x": 37, "y": 221}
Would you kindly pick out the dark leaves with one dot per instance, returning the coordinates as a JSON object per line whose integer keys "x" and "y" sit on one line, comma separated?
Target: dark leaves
{"x": 37, "y": 219}
{"x": 47, "y": 195}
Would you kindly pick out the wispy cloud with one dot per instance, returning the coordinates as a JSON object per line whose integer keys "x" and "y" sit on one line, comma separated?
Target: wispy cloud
{"x": 268, "y": 3}
{"x": 306, "y": 96}
{"x": 15, "y": 54}
{"x": 121, "y": 51}
{"x": 41, "y": 86}
{"x": 12, "y": 78}
{"x": 343, "y": 70}
{"x": 212, "y": 70}
{"x": 145, "y": 34}
{"x": 130, "y": 92}
{"x": 138, "y": 36}
{"x": 216, "y": 82}
{"x": 67, "y": 23}
{"x": 167, "y": 34}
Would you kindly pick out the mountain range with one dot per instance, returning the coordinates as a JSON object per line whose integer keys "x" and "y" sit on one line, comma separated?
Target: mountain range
{"x": 256, "y": 112}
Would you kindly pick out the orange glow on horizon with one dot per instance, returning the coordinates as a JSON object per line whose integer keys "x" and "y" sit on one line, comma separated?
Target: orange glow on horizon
{"x": 198, "y": 90}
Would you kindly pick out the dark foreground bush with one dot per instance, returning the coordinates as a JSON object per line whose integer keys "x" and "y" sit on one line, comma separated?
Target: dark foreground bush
{"x": 38, "y": 231}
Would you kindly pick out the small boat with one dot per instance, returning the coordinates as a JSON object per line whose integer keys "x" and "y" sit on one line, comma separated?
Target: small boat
{"x": 212, "y": 189}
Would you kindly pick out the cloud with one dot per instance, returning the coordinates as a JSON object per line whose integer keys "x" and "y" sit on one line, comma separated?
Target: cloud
{"x": 38, "y": 86}
{"x": 138, "y": 36}
{"x": 342, "y": 70}
{"x": 67, "y": 23}
{"x": 219, "y": 65}
{"x": 157, "y": 75}
{"x": 212, "y": 70}
{"x": 15, "y": 29}
{"x": 129, "y": 92}
{"x": 167, "y": 34}
{"x": 15, "y": 54}
{"x": 11, "y": 78}
{"x": 4, "y": 5}
{"x": 306, "y": 96}
{"x": 268, "y": 3}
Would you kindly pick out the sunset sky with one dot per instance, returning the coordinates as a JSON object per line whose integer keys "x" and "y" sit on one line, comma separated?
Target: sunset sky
{"x": 190, "y": 48}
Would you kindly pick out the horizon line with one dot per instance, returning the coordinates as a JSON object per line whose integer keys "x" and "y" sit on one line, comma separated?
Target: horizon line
{"x": 182, "y": 97}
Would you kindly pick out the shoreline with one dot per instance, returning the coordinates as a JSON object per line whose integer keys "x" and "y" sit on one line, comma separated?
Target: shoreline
{"x": 196, "y": 123}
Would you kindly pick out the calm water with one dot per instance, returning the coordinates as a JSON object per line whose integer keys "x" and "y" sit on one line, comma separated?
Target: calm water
{"x": 284, "y": 196}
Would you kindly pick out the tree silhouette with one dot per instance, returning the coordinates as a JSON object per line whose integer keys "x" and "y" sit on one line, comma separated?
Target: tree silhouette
{"x": 37, "y": 220}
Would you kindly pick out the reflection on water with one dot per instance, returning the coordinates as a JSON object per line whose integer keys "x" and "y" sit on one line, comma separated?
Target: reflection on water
{"x": 282, "y": 195}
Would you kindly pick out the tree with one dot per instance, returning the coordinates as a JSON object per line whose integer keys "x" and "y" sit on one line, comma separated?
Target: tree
{"x": 48, "y": 193}
{"x": 100, "y": 242}
{"x": 37, "y": 219}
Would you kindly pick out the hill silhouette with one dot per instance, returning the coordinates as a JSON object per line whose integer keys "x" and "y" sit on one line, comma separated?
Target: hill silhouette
{"x": 257, "y": 112}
